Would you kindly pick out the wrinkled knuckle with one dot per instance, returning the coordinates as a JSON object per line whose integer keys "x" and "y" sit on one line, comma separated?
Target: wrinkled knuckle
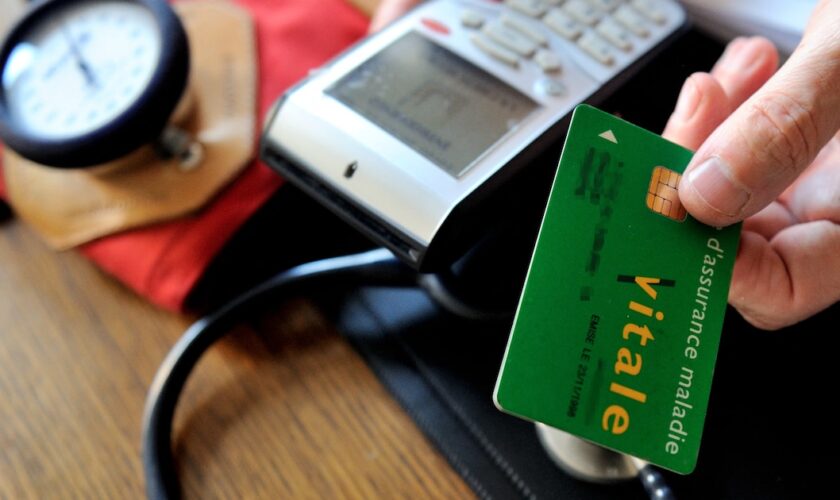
{"x": 787, "y": 131}
{"x": 758, "y": 314}
{"x": 767, "y": 320}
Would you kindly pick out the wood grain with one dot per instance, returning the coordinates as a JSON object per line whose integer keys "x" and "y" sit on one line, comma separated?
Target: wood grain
{"x": 281, "y": 408}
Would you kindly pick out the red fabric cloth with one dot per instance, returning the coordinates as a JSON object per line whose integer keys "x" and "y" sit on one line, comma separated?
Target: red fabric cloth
{"x": 163, "y": 262}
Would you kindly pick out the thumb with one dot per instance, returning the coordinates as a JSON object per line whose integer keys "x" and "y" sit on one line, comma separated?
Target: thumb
{"x": 771, "y": 138}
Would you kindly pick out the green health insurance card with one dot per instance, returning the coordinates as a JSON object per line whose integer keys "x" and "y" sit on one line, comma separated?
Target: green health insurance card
{"x": 618, "y": 326}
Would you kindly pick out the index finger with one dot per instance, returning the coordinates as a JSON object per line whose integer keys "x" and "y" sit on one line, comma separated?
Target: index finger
{"x": 767, "y": 142}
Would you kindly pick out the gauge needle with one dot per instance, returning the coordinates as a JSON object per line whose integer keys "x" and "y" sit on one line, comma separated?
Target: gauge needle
{"x": 77, "y": 55}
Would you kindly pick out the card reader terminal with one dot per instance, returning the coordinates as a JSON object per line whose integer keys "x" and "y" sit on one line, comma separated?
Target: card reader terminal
{"x": 411, "y": 134}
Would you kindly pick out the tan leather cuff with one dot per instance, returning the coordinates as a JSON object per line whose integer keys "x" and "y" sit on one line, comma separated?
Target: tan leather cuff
{"x": 71, "y": 207}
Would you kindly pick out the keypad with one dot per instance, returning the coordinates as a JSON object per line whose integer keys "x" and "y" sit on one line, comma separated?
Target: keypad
{"x": 601, "y": 29}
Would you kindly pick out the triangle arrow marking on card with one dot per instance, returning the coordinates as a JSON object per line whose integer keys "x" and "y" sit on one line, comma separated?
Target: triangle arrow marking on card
{"x": 608, "y": 135}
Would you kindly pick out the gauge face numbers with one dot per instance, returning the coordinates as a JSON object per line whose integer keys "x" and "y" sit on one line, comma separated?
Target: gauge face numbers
{"x": 81, "y": 67}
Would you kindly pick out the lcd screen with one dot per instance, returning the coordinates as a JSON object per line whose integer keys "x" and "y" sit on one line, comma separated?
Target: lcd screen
{"x": 439, "y": 104}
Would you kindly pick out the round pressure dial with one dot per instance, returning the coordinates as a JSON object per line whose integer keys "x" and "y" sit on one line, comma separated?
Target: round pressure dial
{"x": 83, "y": 82}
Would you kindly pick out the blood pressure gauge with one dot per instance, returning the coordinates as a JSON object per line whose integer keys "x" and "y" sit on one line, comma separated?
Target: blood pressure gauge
{"x": 84, "y": 82}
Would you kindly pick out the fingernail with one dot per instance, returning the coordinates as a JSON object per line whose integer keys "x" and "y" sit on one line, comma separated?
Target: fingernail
{"x": 688, "y": 101}
{"x": 713, "y": 183}
{"x": 732, "y": 49}
{"x": 743, "y": 55}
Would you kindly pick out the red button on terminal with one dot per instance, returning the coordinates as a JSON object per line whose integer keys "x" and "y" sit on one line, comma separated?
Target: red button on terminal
{"x": 436, "y": 26}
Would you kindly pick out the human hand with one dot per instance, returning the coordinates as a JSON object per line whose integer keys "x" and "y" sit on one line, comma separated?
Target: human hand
{"x": 775, "y": 140}
{"x": 389, "y": 10}
{"x": 769, "y": 154}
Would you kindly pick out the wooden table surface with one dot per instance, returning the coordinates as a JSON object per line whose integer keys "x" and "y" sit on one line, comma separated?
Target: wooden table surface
{"x": 281, "y": 408}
